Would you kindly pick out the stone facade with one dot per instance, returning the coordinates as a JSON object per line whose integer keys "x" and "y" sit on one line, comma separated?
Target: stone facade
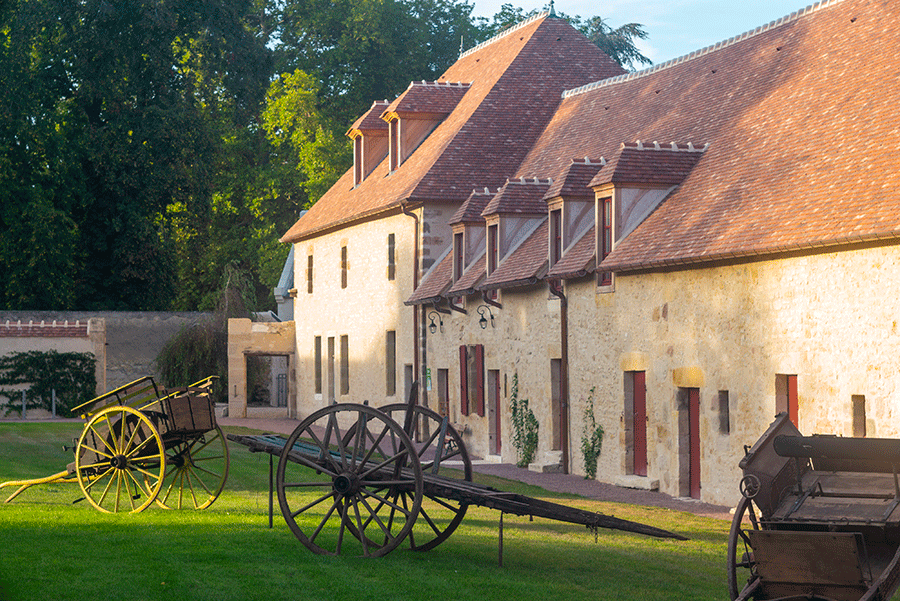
{"x": 246, "y": 338}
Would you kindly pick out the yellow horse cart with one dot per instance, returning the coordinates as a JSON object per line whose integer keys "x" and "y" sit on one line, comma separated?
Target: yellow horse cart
{"x": 141, "y": 444}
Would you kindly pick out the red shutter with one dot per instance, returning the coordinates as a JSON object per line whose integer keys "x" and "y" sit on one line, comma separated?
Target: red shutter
{"x": 640, "y": 422}
{"x": 479, "y": 378}
{"x": 792, "y": 400}
{"x": 463, "y": 381}
{"x": 694, "y": 434}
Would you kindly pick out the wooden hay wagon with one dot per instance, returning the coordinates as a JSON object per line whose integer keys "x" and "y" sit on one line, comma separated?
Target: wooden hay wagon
{"x": 355, "y": 479}
{"x": 140, "y": 444}
{"x": 819, "y": 518}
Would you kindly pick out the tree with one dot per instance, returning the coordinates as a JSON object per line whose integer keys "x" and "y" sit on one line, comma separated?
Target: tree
{"x": 115, "y": 111}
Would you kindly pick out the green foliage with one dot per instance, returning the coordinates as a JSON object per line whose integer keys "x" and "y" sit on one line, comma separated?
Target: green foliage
{"x": 71, "y": 375}
{"x": 591, "y": 438}
{"x": 201, "y": 349}
{"x": 525, "y": 426}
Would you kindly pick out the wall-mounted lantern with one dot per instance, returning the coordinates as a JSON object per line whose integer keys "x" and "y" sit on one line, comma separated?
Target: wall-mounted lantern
{"x": 433, "y": 327}
{"x": 484, "y": 320}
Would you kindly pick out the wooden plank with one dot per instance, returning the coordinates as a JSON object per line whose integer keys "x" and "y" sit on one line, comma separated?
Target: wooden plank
{"x": 826, "y": 559}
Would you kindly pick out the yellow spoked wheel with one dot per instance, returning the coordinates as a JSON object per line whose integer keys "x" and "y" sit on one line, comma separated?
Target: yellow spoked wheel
{"x": 196, "y": 470}
{"x": 120, "y": 461}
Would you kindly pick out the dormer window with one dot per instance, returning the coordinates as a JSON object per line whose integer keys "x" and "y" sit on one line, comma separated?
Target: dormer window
{"x": 604, "y": 237}
{"x": 556, "y": 236}
{"x": 493, "y": 248}
{"x": 416, "y": 113}
{"x": 459, "y": 256}
{"x": 369, "y": 134}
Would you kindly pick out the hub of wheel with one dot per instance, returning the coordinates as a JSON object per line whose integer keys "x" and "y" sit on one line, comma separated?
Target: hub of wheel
{"x": 346, "y": 484}
{"x": 120, "y": 462}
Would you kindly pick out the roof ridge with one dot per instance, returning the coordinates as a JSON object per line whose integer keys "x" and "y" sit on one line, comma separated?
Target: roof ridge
{"x": 794, "y": 16}
{"x": 670, "y": 146}
{"x": 533, "y": 181}
{"x": 441, "y": 84}
{"x": 505, "y": 32}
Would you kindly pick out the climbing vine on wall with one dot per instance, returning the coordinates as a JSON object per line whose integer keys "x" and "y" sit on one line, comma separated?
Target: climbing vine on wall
{"x": 525, "y": 426}
{"x": 591, "y": 439}
{"x": 71, "y": 375}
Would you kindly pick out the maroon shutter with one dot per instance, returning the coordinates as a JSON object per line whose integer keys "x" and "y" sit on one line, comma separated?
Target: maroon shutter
{"x": 479, "y": 378}
{"x": 792, "y": 400}
{"x": 640, "y": 423}
{"x": 463, "y": 381}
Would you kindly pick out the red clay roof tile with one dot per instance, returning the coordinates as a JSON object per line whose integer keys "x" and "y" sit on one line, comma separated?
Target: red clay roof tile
{"x": 516, "y": 82}
{"x": 524, "y": 266}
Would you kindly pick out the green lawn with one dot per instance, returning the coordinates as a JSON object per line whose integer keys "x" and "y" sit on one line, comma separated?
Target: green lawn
{"x": 52, "y": 549}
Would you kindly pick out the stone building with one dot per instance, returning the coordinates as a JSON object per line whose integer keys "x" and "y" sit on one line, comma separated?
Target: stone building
{"x": 695, "y": 247}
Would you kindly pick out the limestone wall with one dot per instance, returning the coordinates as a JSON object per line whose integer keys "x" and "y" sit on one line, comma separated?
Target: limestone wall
{"x": 830, "y": 319}
{"x": 364, "y": 311}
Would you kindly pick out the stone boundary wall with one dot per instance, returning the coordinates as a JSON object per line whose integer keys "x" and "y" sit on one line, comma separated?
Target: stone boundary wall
{"x": 133, "y": 338}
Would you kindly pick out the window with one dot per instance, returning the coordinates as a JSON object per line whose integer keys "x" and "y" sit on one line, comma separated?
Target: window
{"x": 604, "y": 246}
{"x": 391, "y": 268}
{"x": 357, "y": 160}
{"x": 309, "y": 274}
{"x": 390, "y": 363}
{"x": 394, "y": 132}
{"x": 343, "y": 267}
{"x": 345, "y": 365}
{"x": 459, "y": 253}
{"x": 859, "y": 415}
{"x": 556, "y": 244}
{"x": 463, "y": 380}
{"x": 724, "y": 411}
{"x": 318, "y": 376}
{"x": 331, "y": 397}
{"x": 493, "y": 258}
{"x": 786, "y": 396}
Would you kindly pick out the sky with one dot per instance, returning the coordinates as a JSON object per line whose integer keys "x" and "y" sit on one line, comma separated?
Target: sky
{"x": 675, "y": 27}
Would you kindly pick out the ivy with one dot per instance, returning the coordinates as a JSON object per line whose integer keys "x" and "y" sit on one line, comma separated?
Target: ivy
{"x": 71, "y": 375}
{"x": 525, "y": 426}
{"x": 591, "y": 439}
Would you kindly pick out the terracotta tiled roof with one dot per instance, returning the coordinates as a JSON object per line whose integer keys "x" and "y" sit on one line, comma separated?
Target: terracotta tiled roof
{"x": 470, "y": 211}
{"x": 803, "y": 128}
{"x": 516, "y": 82}
{"x": 434, "y": 283}
{"x": 575, "y": 179}
{"x": 371, "y": 122}
{"x": 649, "y": 164}
{"x": 519, "y": 196}
{"x": 525, "y": 265}
{"x": 469, "y": 281}
{"x": 579, "y": 261}
{"x": 434, "y": 97}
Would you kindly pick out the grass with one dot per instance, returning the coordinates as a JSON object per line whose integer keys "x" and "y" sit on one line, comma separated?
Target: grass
{"x": 53, "y": 549}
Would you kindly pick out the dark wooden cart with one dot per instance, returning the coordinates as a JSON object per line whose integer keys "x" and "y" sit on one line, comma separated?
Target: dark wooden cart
{"x": 141, "y": 444}
{"x": 819, "y": 518}
{"x": 353, "y": 479}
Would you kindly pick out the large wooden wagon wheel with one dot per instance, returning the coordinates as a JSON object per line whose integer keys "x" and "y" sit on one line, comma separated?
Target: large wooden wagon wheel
{"x": 741, "y": 564}
{"x": 442, "y": 453}
{"x": 352, "y": 461}
{"x": 196, "y": 471}
{"x": 120, "y": 460}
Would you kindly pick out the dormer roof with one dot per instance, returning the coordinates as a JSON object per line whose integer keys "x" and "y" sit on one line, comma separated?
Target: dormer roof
{"x": 519, "y": 196}
{"x": 575, "y": 179}
{"x": 469, "y": 281}
{"x": 370, "y": 123}
{"x": 470, "y": 211}
{"x": 579, "y": 260}
{"x": 651, "y": 164}
{"x": 525, "y": 266}
{"x": 434, "y": 98}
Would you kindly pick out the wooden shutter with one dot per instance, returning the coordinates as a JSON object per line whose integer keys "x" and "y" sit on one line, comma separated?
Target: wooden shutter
{"x": 479, "y": 379}
{"x": 463, "y": 380}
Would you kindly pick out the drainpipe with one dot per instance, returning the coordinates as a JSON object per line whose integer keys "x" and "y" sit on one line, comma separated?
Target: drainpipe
{"x": 556, "y": 289}
{"x": 417, "y": 334}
